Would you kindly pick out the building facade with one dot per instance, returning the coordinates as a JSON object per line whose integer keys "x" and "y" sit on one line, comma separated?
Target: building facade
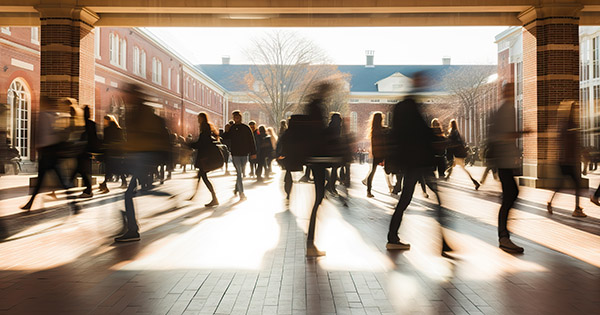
{"x": 122, "y": 56}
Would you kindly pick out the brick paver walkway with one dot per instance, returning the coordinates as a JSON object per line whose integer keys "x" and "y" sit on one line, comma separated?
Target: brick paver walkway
{"x": 249, "y": 257}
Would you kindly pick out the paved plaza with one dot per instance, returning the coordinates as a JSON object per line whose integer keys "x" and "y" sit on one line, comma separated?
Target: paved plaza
{"x": 249, "y": 257}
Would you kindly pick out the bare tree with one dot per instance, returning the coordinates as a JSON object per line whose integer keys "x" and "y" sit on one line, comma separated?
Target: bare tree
{"x": 285, "y": 66}
{"x": 467, "y": 84}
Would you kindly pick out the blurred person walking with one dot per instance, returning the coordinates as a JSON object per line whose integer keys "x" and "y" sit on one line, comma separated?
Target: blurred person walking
{"x": 209, "y": 156}
{"x": 440, "y": 143}
{"x": 264, "y": 149}
{"x": 504, "y": 155}
{"x": 113, "y": 153}
{"x": 412, "y": 148}
{"x": 457, "y": 151}
{"x": 84, "y": 161}
{"x": 52, "y": 134}
{"x": 333, "y": 132}
{"x": 377, "y": 134}
{"x": 569, "y": 153}
{"x": 253, "y": 161}
{"x": 147, "y": 143}
{"x": 272, "y": 156}
{"x": 242, "y": 145}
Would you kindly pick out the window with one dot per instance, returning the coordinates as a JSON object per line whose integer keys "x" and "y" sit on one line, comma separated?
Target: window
{"x": 169, "y": 79}
{"x": 353, "y": 100}
{"x": 136, "y": 60}
{"x": 262, "y": 118}
{"x": 156, "y": 71}
{"x": 195, "y": 91}
{"x": 97, "y": 43}
{"x": 5, "y": 30}
{"x": 19, "y": 103}
{"x": 246, "y": 117}
{"x": 143, "y": 63}
{"x": 117, "y": 48}
{"x": 185, "y": 87}
{"x": 596, "y": 56}
{"x": 353, "y": 122}
{"x": 35, "y": 35}
{"x": 374, "y": 101}
{"x": 177, "y": 83}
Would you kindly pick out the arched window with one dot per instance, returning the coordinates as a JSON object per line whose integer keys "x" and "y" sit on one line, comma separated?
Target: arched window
{"x": 353, "y": 122}
{"x": 19, "y": 100}
{"x": 246, "y": 117}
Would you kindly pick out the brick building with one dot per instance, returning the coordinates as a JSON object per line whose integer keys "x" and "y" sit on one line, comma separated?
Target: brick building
{"x": 121, "y": 56}
{"x": 371, "y": 88}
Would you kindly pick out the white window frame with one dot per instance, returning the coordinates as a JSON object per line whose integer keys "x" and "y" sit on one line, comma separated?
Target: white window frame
{"x": 24, "y": 91}
{"x": 123, "y": 53}
{"x": 169, "y": 78}
{"x": 353, "y": 122}
{"x": 178, "y": 87}
{"x": 136, "y": 60}
{"x": 35, "y": 35}
{"x": 5, "y": 30}
{"x": 97, "y": 43}
{"x": 143, "y": 63}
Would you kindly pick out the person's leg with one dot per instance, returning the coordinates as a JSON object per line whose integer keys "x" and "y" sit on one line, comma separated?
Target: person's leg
{"x": 214, "y": 201}
{"x": 370, "y": 178}
{"x": 319, "y": 182}
{"x": 410, "y": 180}
{"x": 571, "y": 170}
{"x": 287, "y": 183}
{"x": 238, "y": 164}
{"x": 44, "y": 164}
{"x": 510, "y": 191}
{"x": 85, "y": 167}
{"x": 331, "y": 184}
{"x": 461, "y": 163}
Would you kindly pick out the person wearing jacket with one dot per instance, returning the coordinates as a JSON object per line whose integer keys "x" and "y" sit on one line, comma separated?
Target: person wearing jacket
{"x": 113, "y": 141}
{"x": 147, "y": 142}
{"x": 84, "y": 161}
{"x": 412, "y": 148}
{"x": 242, "y": 146}
{"x": 457, "y": 152}
{"x": 205, "y": 140}
{"x": 264, "y": 152}
{"x": 377, "y": 136}
{"x": 50, "y": 137}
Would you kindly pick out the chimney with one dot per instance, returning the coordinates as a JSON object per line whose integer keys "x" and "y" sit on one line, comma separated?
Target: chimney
{"x": 446, "y": 61}
{"x": 225, "y": 60}
{"x": 370, "y": 58}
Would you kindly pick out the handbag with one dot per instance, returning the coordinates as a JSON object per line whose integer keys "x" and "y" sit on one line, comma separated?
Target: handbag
{"x": 210, "y": 158}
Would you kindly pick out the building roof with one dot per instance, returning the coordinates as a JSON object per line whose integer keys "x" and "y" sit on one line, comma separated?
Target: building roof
{"x": 363, "y": 79}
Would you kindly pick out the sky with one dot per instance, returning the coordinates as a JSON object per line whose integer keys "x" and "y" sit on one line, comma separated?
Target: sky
{"x": 346, "y": 46}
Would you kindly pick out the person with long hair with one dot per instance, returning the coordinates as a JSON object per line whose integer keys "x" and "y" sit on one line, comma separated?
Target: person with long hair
{"x": 264, "y": 149}
{"x": 377, "y": 136}
{"x": 274, "y": 138}
{"x": 205, "y": 139}
{"x": 457, "y": 151}
{"x": 439, "y": 146}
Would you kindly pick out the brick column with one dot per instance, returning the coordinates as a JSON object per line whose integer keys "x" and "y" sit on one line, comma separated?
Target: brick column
{"x": 550, "y": 76}
{"x": 67, "y": 53}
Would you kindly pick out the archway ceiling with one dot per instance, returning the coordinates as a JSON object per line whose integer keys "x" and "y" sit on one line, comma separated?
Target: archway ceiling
{"x": 294, "y": 13}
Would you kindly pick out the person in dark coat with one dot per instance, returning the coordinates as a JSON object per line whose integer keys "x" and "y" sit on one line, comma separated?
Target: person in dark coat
{"x": 412, "y": 148}
{"x": 84, "y": 160}
{"x": 457, "y": 152}
{"x": 570, "y": 153}
{"x": 264, "y": 152}
{"x": 205, "y": 139}
{"x": 377, "y": 136}
{"x": 113, "y": 154}
{"x": 242, "y": 146}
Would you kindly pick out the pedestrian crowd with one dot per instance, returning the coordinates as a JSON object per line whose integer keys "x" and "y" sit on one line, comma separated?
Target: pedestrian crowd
{"x": 140, "y": 150}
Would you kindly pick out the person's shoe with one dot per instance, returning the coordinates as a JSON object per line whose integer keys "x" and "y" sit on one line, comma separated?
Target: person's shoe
{"x": 397, "y": 245}
{"x": 477, "y": 184}
{"x": 102, "y": 187}
{"x": 364, "y": 182}
{"x": 594, "y": 200}
{"x": 312, "y": 251}
{"x": 369, "y": 194}
{"x": 446, "y": 249}
{"x": 549, "y": 208}
{"x": 128, "y": 237}
{"x": 213, "y": 203}
{"x": 52, "y": 195}
{"x": 391, "y": 189}
{"x": 303, "y": 179}
{"x": 578, "y": 213}
{"x": 86, "y": 195}
{"x": 235, "y": 192}
{"x": 425, "y": 195}
{"x": 27, "y": 206}
{"x": 508, "y": 246}
{"x": 242, "y": 196}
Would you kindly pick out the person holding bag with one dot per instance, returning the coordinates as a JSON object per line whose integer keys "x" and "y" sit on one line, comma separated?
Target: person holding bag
{"x": 457, "y": 152}
{"x": 209, "y": 156}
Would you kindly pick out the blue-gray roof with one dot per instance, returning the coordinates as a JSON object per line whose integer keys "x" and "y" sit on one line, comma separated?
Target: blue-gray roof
{"x": 363, "y": 78}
